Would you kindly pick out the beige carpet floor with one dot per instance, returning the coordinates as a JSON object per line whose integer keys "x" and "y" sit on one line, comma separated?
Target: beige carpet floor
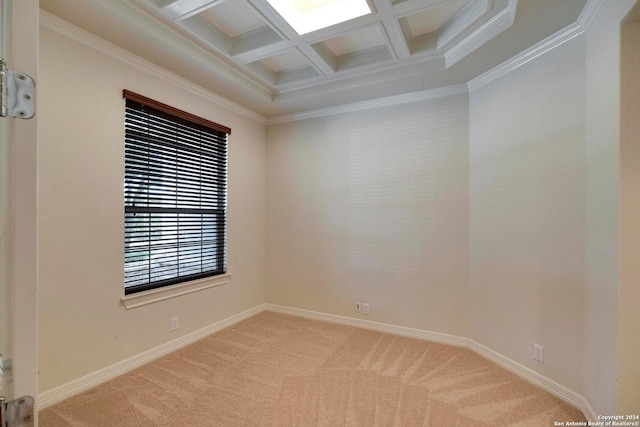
{"x": 279, "y": 370}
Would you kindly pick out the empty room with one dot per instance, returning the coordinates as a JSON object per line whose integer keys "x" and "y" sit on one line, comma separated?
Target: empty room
{"x": 321, "y": 213}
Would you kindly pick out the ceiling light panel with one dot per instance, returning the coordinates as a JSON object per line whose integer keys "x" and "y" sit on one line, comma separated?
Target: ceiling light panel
{"x": 306, "y": 16}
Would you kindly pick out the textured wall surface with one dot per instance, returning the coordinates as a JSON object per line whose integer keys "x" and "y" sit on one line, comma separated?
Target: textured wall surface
{"x": 83, "y": 326}
{"x": 372, "y": 206}
{"x": 527, "y": 213}
{"x": 602, "y": 207}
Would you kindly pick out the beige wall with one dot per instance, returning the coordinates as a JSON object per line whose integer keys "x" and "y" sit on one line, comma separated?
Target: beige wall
{"x": 629, "y": 290}
{"x": 83, "y": 326}
{"x": 602, "y": 213}
{"x": 507, "y": 198}
{"x": 527, "y": 213}
{"x": 371, "y": 206}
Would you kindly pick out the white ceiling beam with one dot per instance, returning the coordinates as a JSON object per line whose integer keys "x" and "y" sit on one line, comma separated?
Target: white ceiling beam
{"x": 319, "y": 58}
{"x": 179, "y": 10}
{"x": 391, "y": 30}
{"x": 341, "y": 28}
{"x": 449, "y": 44}
{"x": 256, "y": 53}
{"x": 208, "y": 34}
{"x": 466, "y": 17}
{"x": 395, "y": 39}
{"x": 298, "y": 74}
{"x": 326, "y": 55}
{"x": 350, "y": 77}
{"x": 273, "y": 18}
{"x": 409, "y": 7}
{"x": 503, "y": 15}
{"x": 257, "y": 39}
{"x": 378, "y": 55}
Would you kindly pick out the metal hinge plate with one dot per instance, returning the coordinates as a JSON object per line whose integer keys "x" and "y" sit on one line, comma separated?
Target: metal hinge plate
{"x": 17, "y": 93}
{"x": 17, "y": 413}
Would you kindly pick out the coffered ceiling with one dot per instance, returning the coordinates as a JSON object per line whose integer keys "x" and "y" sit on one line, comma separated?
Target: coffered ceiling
{"x": 401, "y": 33}
{"x": 246, "y": 51}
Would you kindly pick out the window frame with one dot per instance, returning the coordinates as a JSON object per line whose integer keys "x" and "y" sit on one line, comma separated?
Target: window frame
{"x": 215, "y": 212}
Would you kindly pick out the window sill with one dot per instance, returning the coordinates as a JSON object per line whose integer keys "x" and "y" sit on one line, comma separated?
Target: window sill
{"x": 154, "y": 295}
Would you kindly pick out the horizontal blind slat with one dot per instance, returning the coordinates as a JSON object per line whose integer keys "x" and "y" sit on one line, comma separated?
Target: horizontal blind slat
{"x": 175, "y": 199}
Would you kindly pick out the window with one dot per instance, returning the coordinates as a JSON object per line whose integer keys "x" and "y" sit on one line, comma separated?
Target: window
{"x": 175, "y": 192}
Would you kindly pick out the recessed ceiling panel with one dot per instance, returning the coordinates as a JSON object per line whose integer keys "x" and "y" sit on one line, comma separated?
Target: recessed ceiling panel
{"x": 292, "y": 45}
{"x": 235, "y": 47}
{"x": 432, "y": 19}
{"x": 355, "y": 49}
{"x": 234, "y": 17}
{"x": 161, "y": 3}
{"x": 289, "y": 60}
{"x": 354, "y": 41}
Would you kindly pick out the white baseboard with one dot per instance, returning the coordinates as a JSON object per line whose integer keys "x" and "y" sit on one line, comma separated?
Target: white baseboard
{"x": 527, "y": 374}
{"x": 79, "y": 385}
{"x": 60, "y": 393}
{"x": 588, "y": 411}
{"x": 530, "y": 375}
{"x": 368, "y": 324}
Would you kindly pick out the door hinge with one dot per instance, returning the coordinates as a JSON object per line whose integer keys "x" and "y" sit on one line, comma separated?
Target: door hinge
{"x": 17, "y": 93}
{"x": 16, "y": 413}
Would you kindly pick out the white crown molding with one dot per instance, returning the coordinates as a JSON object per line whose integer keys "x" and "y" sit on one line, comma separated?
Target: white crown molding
{"x": 505, "y": 18}
{"x": 579, "y": 27}
{"x": 589, "y": 11}
{"x": 374, "y": 103}
{"x": 54, "y": 23}
{"x": 528, "y": 55}
{"x": 490, "y": 29}
{"x": 544, "y": 46}
{"x": 65, "y": 391}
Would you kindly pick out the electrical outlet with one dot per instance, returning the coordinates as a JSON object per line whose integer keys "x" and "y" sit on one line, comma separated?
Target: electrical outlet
{"x": 538, "y": 353}
{"x": 358, "y": 307}
{"x": 174, "y": 324}
{"x": 365, "y": 308}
